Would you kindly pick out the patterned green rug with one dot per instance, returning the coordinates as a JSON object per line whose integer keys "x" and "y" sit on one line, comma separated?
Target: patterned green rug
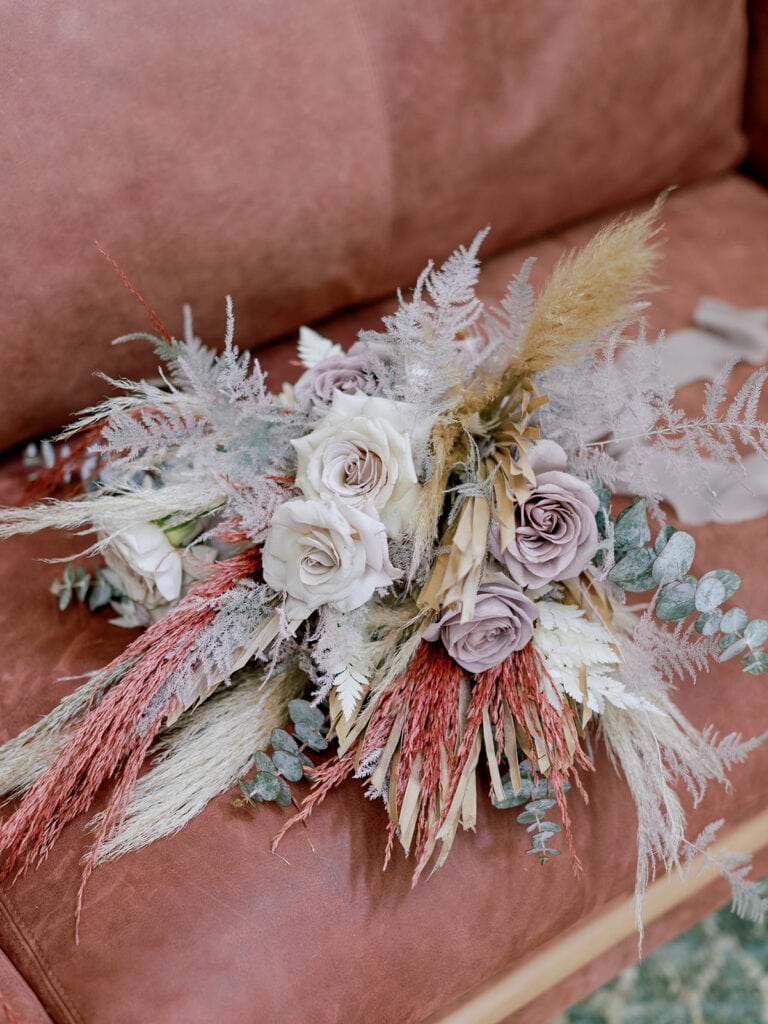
{"x": 715, "y": 973}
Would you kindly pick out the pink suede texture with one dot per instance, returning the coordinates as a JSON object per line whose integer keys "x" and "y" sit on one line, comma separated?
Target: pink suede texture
{"x": 307, "y": 157}
{"x": 208, "y": 926}
{"x": 756, "y": 100}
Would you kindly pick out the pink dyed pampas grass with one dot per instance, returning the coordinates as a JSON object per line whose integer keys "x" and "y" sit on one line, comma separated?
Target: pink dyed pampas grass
{"x": 113, "y": 738}
{"x": 429, "y": 733}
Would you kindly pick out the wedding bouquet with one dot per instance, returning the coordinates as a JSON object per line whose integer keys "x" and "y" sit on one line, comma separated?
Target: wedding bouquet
{"x": 410, "y": 558}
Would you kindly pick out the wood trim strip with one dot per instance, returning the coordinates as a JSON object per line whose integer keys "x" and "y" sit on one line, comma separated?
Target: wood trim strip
{"x": 563, "y": 958}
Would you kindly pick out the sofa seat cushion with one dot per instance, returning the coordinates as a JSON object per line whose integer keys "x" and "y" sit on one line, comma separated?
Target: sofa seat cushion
{"x": 209, "y": 926}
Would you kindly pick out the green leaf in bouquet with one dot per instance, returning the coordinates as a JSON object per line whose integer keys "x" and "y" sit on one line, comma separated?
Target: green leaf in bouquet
{"x": 734, "y": 620}
{"x": 631, "y": 529}
{"x": 263, "y": 762}
{"x": 282, "y": 740}
{"x": 731, "y": 581}
{"x": 633, "y": 571}
{"x": 662, "y": 537}
{"x": 283, "y": 793}
{"x": 756, "y": 662}
{"x": 733, "y": 650}
{"x": 289, "y": 765}
{"x": 181, "y": 534}
{"x": 675, "y": 558}
{"x": 709, "y": 623}
{"x": 303, "y": 711}
{"x": 264, "y": 786}
{"x": 82, "y": 583}
{"x": 544, "y": 829}
{"x": 541, "y": 806}
{"x": 710, "y": 593}
{"x": 511, "y": 798}
{"x": 675, "y": 601}
{"x": 756, "y": 633}
{"x": 314, "y": 739}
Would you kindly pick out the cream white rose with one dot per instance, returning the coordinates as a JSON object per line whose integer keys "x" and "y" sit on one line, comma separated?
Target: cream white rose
{"x": 360, "y": 454}
{"x": 148, "y": 565}
{"x": 320, "y": 553}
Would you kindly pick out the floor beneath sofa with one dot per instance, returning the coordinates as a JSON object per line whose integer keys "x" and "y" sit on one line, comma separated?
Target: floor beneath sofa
{"x": 714, "y": 973}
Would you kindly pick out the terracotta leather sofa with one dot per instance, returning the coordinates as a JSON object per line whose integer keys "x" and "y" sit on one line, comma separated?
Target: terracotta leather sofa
{"x": 309, "y": 158}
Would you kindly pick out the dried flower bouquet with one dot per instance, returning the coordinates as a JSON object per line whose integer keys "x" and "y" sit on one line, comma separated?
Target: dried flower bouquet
{"x": 410, "y": 557}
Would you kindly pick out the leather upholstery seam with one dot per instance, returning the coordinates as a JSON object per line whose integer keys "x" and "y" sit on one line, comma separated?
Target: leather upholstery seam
{"x": 39, "y": 960}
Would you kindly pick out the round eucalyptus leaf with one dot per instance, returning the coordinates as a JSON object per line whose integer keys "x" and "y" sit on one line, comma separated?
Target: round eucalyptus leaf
{"x": 303, "y": 711}
{"x": 528, "y": 818}
{"x": 283, "y": 793}
{"x": 99, "y": 597}
{"x": 675, "y": 601}
{"x": 756, "y": 662}
{"x": 709, "y": 624}
{"x": 756, "y": 633}
{"x": 710, "y": 594}
{"x": 662, "y": 537}
{"x": 730, "y": 580}
{"x": 289, "y": 765}
{"x": 735, "y": 649}
{"x": 265, "y": 786}
{"x": 633, "y": 572}
{"x": 314, "y": 739}
{"x": 549, "y": 828}
{"x": 631, "y": 529}
{"x": 540, "y": 839}
{"x": 734, "y": 620}
{"x": 675, "y": 559}
{"x": 281, "y": 740}
{"x": 263, "y": 762}
{"x": 541, "y": 805}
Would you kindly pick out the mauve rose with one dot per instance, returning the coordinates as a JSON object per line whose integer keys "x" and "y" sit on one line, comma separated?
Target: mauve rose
{"x": 502, "y": 623}
{"x": 555, "y": 532}
{"x": 337, "y": 373}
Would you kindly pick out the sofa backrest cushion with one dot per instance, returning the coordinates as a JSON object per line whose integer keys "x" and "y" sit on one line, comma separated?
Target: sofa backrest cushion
{"x": 309, "y": 156}
{"x": 756, "y": 113}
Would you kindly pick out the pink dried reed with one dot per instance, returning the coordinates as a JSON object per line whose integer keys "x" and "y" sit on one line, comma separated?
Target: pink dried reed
{"x": 112, "y": 739}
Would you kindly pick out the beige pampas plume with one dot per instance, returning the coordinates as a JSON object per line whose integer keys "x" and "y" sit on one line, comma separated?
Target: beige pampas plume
{"x": 25, "y": 758}
{"x": 202, "y": 757}
{"x": 591, "y": 291}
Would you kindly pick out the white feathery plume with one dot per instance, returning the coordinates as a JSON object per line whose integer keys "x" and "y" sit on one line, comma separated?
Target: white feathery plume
{"x": 202, "y": 757}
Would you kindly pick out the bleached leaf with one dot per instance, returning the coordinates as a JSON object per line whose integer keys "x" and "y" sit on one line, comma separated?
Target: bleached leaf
{"x": 575, "y": 649}
{"x": 350, "y": 686}
{"x": 313, "y": 348}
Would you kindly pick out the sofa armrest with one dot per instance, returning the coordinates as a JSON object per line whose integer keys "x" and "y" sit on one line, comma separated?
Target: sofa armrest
{"x": 17, "y": 1000}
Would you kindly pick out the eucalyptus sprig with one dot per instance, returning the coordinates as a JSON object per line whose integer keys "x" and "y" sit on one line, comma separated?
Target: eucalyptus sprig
{"x": 287, "y": 763}
{"x": 536, "y": 795}
{"x": 664, "y": 566}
